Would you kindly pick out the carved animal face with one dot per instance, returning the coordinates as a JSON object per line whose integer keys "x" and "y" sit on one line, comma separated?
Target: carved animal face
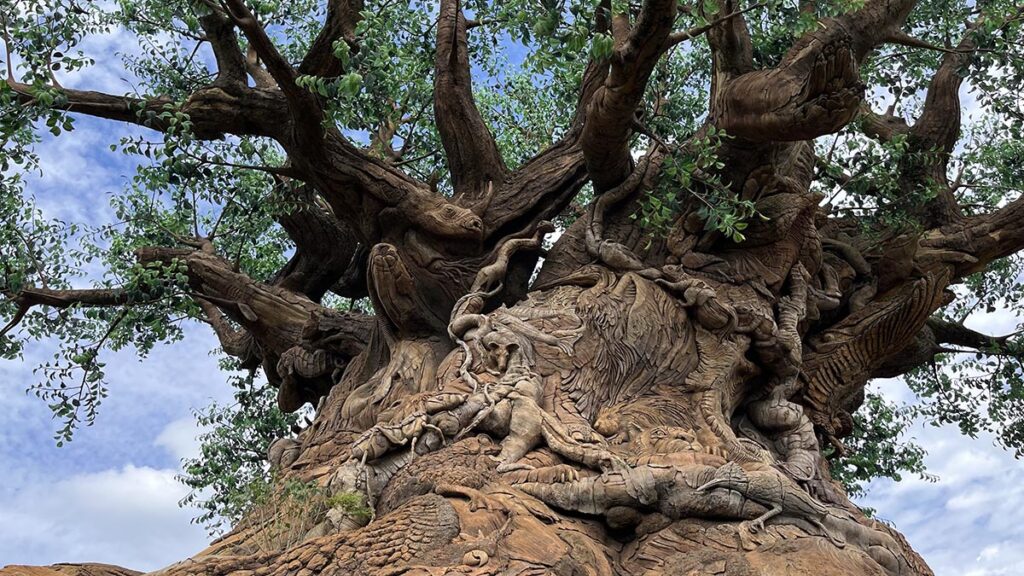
{"x": 391, "y": 281}
{"x": 500, "y": 346}
{"x": 669, "y": 439}
{"x": 446, "y": 219}
{"x": 608, "y": 423}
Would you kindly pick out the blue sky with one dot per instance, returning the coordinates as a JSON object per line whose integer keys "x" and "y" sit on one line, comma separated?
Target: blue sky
{"x": 111, "y": 496}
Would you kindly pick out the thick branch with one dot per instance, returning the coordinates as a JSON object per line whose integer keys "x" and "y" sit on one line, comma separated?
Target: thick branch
{"x": 930, "y": 341}
{"x": 936, "y": 133}
{"x": 305, "y": 108}
{"x": 611, "y": 112}
{"x": 376, "y": 198}
{"x": 90, "y": 297}
{"x": 816, "y": 88}
{"x": 214, "y": 111}
{"x": 539, "y": 190}
{"x": 882, "y": 127}
{"x": 473, "y": 156}
{"x": 947, "y": 332}
{"x": 342, "y": 18}
{"x": 220, "y": 33}
{"x": 237, "y": 343}
{"x": 324, "y": 247}
{"x": 982, "y": 238}
{"x": 27, "y": 298}
{"x": 732, "y": 51}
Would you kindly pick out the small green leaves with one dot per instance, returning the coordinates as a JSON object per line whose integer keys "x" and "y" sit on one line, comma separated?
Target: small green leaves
{"x": 545, "y": 25}
{"x": 351, "y": 83}
{"x": 341, "y": 51}
{"x": 230, "y": 476}
{"x": 347, "y": 85}
{"x": 692, "y": 175}
{"x": 602, "y": 46}
{"x": 878, "y": 446}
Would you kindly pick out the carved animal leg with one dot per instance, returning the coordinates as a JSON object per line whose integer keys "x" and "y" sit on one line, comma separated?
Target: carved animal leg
{"x": 839, "y": 541}
{"x": 427, "y": 427}
{"x": 757, "y": 524}
{"x": 561, "y": 442}
{"x": 524, "y": 432}
{"x": 558, "y": 473}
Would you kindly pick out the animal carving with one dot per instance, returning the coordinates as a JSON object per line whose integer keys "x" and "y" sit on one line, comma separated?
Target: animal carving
{"x": 773, "y": 490}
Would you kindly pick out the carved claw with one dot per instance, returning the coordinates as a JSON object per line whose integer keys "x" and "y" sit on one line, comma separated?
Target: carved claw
{"x": 510, "y": 466}
{"x": 560, "y": 473}
{"x": 557, "y": 474}
{"x": 754, "y": 526}
{"x": 612, "y": 463}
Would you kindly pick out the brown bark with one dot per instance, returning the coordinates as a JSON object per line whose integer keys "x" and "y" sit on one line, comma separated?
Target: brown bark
{"x": 653, "y": 405}
{"x": 472, "y": 154}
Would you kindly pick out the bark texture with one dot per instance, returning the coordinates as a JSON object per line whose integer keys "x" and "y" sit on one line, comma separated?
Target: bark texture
{"x": 644, "y": 407}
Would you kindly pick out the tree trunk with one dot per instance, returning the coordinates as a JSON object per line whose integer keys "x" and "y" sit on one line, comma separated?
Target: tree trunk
{"x": 622, "y": 418}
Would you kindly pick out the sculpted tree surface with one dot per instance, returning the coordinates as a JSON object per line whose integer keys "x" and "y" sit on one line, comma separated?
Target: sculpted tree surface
{"x": 628, "y": 266}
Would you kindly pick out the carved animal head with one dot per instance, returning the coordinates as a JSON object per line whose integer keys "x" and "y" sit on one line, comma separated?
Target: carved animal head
{"x": 501, "y": 346}
{"x": 452, "y": 221}
{"x": 671, "y": 439}
{"x": 609, "y": 423}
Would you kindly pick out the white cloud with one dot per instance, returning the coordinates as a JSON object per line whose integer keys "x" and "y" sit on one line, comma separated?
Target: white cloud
{"x": 127, "y": 516}
{"x": 970, "y": 522}
{"x": 110, "y": 495}
{"x": 179, "y": 438}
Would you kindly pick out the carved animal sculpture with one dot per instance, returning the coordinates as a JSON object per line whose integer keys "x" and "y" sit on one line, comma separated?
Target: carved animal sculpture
{"x": 771, "y": 489}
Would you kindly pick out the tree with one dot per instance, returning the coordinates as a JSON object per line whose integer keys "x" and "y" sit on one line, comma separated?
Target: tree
{"x": 629, "y": 265}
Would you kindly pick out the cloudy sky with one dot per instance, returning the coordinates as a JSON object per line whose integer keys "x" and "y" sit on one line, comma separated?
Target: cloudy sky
{"x": 111, "y": 494}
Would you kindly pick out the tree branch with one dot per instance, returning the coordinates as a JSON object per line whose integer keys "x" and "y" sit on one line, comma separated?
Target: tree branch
{"x": 473, "y": 156}
{"x": 213, "y": 111}
{"x": 27, "y": 298}
{"x": 684, "y": 35}
{"x": 220, "y": 33}
{"x": 237, "y": 343}
{"x": 304, "y": 106}
{"x": 947, "y": 332}
{"x": 324, "y": 247}
{"x": 610, "y": 113}
{"x": 816, "y": 88}
{"x": 971, "y": 243}
{"x": 340, "y": 24}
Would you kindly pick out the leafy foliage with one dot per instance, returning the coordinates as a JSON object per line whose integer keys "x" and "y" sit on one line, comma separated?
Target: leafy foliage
{"x": 980, "y": 390}
{"x": 695, "y": 171}
{"x": 876, "y": 448}
{"x": 231, "y": 476}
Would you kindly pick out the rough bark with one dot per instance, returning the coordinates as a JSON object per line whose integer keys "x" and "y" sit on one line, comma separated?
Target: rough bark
{"x": 646, "y": 406}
